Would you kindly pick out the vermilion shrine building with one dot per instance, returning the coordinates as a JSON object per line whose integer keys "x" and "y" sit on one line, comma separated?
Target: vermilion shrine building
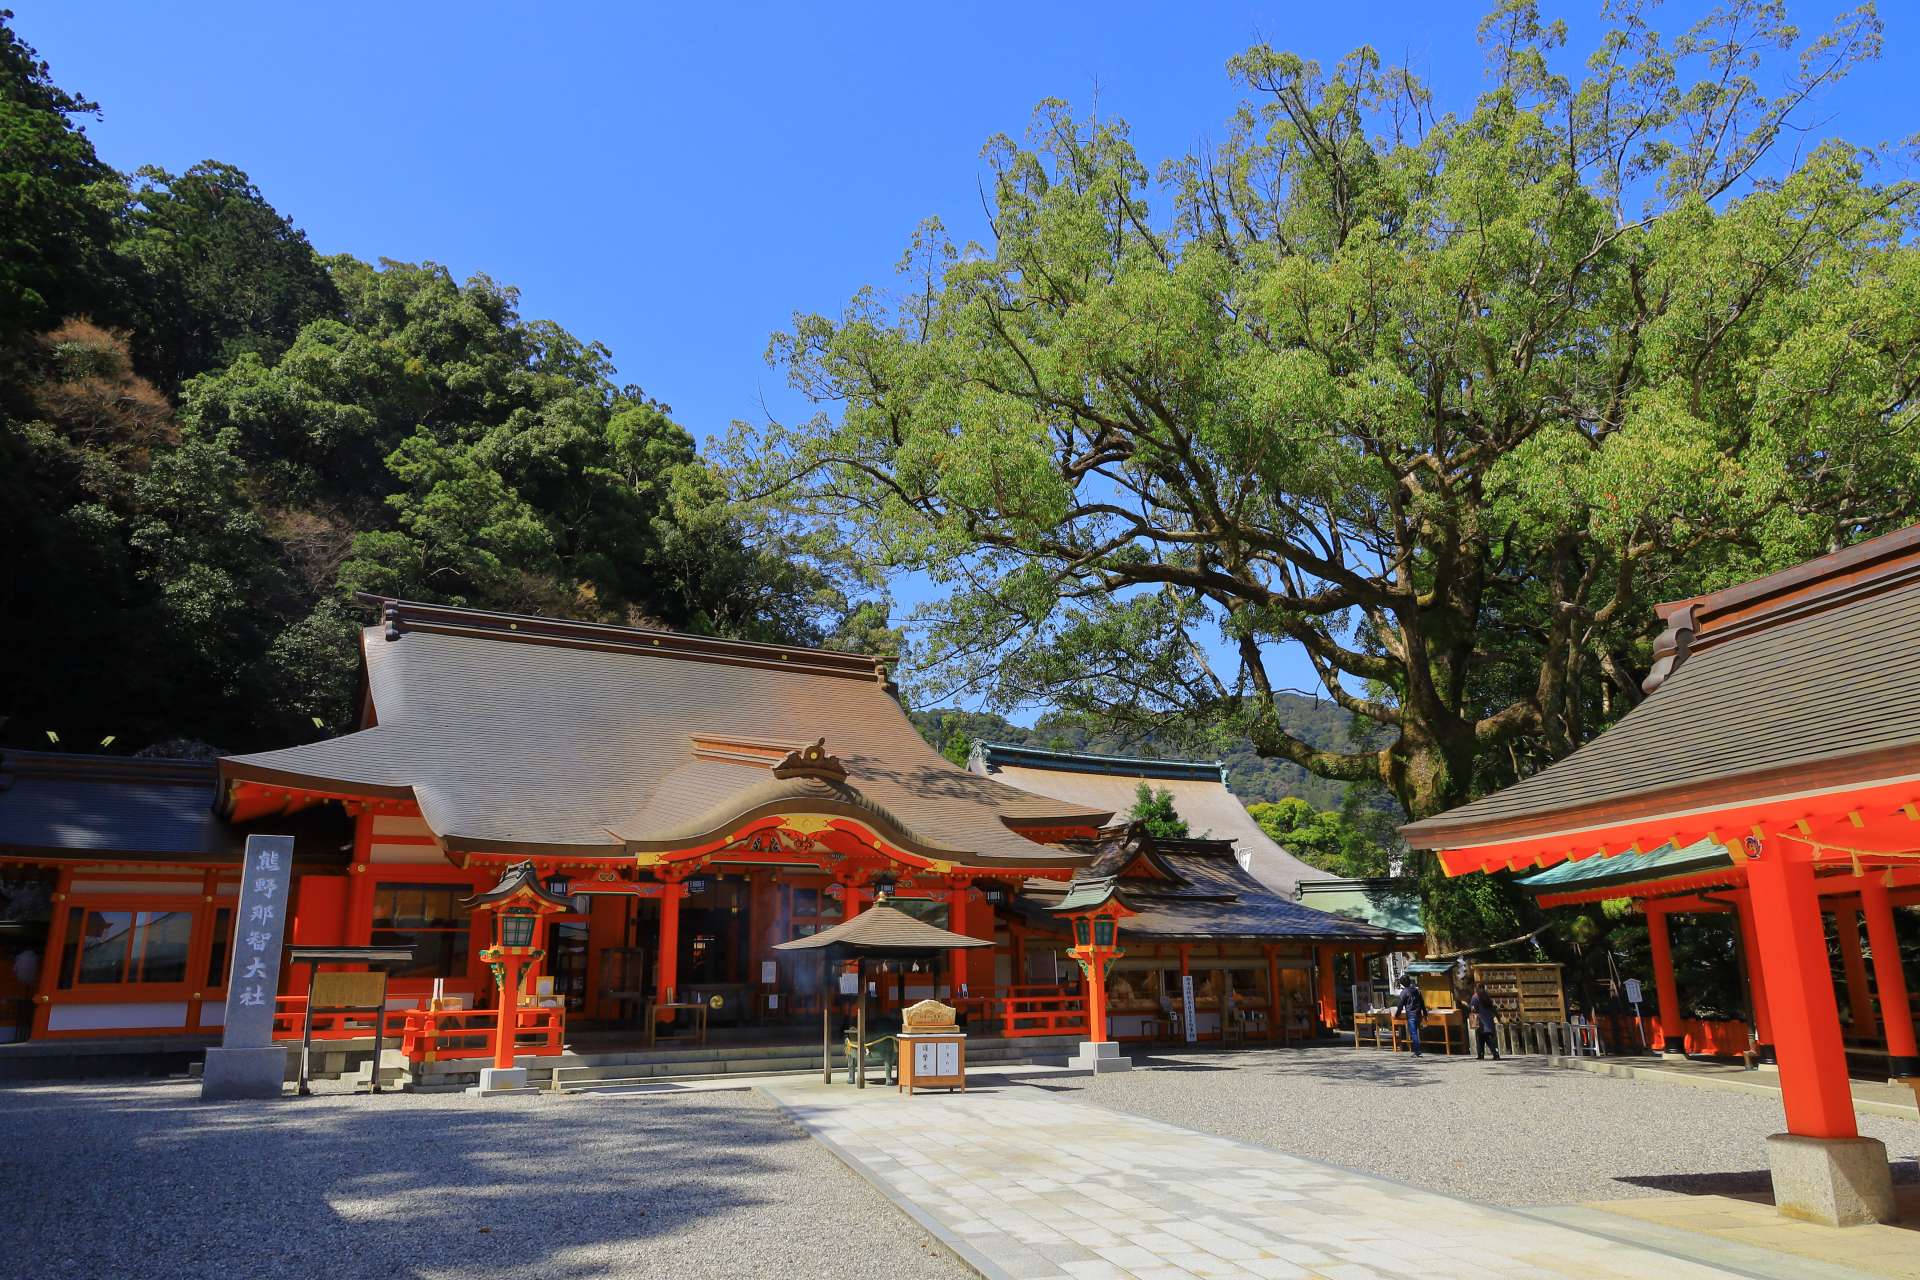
{"x": 1773, "y": 770}
{"x": 695, "y": 800}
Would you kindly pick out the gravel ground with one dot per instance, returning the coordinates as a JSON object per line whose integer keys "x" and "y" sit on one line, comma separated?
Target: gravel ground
{"x": 1514, "y": 1132}
{"x": 142, "y": 1180}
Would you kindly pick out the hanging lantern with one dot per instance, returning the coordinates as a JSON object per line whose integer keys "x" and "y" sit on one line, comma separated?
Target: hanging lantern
{"x": 515, "y": 926}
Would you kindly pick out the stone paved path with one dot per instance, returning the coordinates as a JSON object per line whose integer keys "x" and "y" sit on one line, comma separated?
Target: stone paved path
{"x": 1026, "y": 1185}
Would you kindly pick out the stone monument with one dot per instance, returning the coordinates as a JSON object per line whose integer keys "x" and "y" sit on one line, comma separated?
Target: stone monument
{"x": 247, "y": 1063}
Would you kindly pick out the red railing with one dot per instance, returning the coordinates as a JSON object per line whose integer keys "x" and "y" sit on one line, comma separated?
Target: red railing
{"x": 289, "y": 1013}
{"x": 442, "y": 1035}
{"x": 1042, "y": 1011}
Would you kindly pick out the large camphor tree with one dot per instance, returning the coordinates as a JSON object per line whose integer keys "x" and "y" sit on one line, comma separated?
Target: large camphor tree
{"x": 1442, "y": 401}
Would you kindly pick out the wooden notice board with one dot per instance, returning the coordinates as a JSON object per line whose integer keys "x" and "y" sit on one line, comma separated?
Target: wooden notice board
{"x": 1524, "y": 992}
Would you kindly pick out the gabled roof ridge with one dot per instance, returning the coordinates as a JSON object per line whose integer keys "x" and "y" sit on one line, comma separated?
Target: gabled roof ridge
{"x": 1007, "y": 753}
{"x": 1787, "y": 595}
{"x": 400, "y": 616}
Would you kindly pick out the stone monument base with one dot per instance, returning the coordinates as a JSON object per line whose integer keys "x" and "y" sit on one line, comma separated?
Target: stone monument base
{"x": 497, "y": 1080}
{"x": 243, "y": 1073}
{"x": 1099, "y": 1057}
{"x": 1840, "y": 1182}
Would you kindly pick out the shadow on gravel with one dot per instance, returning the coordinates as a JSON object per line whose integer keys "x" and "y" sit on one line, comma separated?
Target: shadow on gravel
{"x": 134, "y": 1180}
{"x": 1752, "y": 1184}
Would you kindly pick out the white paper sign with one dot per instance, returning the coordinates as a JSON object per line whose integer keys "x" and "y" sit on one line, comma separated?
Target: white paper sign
{"x": 773, "y": 1002}
{"x": 1186, "y": 1007}
{"x": 849, "y": 984}
{"x": 769, "y": 972}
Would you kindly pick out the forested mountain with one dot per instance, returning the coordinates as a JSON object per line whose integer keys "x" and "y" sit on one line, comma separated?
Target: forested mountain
{"x": 211, "y": 436}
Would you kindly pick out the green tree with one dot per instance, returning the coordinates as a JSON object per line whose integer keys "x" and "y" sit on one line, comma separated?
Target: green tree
{"x": 1322, "y": 838}
{"x": 1155, "y": 809}
{"x": 1440, "y": 400}
{"x": 226, "y": 272}
{"x": 959, "y": 748}
{"x": 55, "y": 201}
{"x": 210, "y": 436}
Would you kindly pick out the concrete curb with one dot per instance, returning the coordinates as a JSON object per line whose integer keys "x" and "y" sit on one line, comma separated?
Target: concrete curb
{"x": 1635, "y": 1071}
{"x": 1698, "y": 1247}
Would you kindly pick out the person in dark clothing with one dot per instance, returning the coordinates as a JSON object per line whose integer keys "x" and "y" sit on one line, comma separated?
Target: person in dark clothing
{"x": 1480, "y": 1007}
{"x": 1413, "y": 1009}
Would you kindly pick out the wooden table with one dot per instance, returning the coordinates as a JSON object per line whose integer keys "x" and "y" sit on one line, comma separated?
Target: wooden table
{"x": 699, "y": 1032}
{"x": 1445, "y": 1019}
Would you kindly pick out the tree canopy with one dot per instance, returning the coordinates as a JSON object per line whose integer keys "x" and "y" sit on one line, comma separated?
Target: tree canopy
{"x": 1443, "y": 399}
{"x": 1153, "y": 807}
{"x": 211, "y": 436}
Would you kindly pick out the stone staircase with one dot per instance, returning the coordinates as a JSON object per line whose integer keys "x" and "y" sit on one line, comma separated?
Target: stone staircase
{"x": 573, "y": 1072}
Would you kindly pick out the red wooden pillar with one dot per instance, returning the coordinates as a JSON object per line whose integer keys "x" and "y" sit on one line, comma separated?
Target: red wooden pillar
{"x": 667, "y": 971}
{"x": 1896, "y": 1009}
{"x": 360, "y": 888}
{"x": 957, "y": 922}
{"x": 1673, "y": 1034}
{"x": 200, "y": 943}
{"x": 1276, "y": 1005}
{"x": 1325, "y": 987}
{"x": 1097, "y": 999}
{"x": 1813, "y": 1064}
{"x": 1846, "y": 925}
{"x": 1756, "y": 976}
{"x": 51, "y": 959}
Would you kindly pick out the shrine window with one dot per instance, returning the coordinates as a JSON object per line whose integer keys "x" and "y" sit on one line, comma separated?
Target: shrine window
{"x": 428, "y": 918}
{"x": 116, "y": 948}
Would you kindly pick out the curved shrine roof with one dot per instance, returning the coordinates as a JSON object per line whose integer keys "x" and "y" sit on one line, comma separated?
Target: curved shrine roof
{"x": 1198, "y": 789}
{"x": 538, "y": 735}
{"x": 1801, "y": 679}
{"x": 1189, "y": 890}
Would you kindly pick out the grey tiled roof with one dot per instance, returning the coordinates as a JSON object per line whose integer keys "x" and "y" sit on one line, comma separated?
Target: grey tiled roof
{"x": 530, "y": 734}
{"x": 1837, "y": 683}
{"x": 1209, "y": 896}
{"x": 61, "y": 806}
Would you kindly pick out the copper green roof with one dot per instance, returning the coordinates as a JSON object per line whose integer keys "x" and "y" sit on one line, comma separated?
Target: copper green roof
{"x": 1388, "y": 904}
{"x": 1626, "y": 869}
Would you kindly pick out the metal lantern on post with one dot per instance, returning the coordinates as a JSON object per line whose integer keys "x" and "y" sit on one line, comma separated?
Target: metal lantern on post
{"x": 519, "y": 902}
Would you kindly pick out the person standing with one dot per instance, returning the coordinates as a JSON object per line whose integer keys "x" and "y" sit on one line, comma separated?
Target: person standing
{"x": 1413, "y": 1009}
{"x": 1481, "y": 1009}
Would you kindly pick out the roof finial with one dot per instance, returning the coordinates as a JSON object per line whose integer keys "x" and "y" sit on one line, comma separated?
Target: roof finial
{"x": 811, "y": 762}
{"x": 391, "y": 612}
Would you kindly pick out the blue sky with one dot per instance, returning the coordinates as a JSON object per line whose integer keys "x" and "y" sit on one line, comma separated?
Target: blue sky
{"x": 676, "y": 185}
